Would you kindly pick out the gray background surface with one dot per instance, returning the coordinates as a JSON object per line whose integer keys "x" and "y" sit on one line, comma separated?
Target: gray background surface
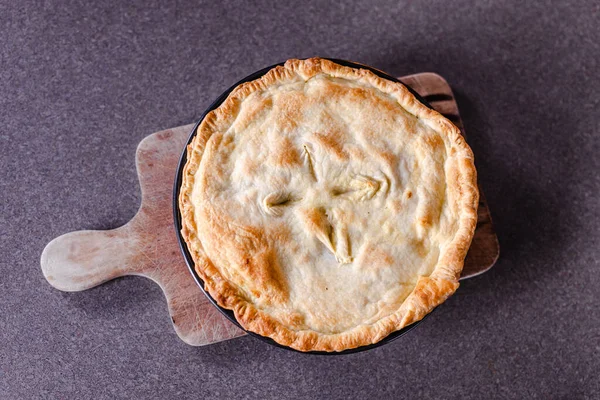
{"x": 82, "y": 82}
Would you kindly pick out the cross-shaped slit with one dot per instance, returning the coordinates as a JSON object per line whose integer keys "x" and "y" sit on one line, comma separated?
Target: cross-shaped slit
{"x": 321, "y": 218}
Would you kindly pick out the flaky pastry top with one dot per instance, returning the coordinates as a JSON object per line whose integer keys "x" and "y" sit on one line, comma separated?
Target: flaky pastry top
{"x": 326, "y": 206}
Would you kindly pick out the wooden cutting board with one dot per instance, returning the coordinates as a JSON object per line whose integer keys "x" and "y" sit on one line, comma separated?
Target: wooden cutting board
{"x": 147, "y": 245}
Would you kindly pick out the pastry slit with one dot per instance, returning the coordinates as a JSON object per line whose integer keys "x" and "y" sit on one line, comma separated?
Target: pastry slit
{"x": 309, "y": 162}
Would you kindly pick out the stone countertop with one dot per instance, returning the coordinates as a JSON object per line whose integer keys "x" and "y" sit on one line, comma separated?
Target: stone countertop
{"x": 82, "y": 83}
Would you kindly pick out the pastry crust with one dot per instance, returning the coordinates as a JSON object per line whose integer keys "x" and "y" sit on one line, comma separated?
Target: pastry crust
{"x": 326, "y": 206}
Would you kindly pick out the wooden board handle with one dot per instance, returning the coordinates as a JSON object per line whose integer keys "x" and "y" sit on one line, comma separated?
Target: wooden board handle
{"x": 84, "y": 259}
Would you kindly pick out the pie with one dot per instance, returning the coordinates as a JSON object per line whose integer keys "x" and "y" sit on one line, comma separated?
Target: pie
{"x": 326, "y": 206}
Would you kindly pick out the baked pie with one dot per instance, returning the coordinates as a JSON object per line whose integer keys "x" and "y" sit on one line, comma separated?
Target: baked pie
{"x": 326, "y": 206}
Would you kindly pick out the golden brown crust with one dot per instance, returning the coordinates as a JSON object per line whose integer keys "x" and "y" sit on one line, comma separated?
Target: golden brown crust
{"x": 429, "y": 291}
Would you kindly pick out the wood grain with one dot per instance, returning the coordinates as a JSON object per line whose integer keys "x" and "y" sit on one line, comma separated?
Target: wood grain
{"x": 147, "y": 245}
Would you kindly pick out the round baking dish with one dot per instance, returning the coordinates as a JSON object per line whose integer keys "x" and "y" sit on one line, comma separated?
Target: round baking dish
{"x": 177, "y": 216}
